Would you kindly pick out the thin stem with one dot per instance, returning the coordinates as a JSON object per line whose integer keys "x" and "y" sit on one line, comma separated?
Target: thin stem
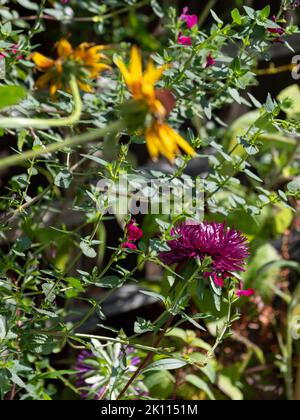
{"x": 95, "y": 19}
{"x": 148, "y": 358}
{"x": 16, "y": 159}
{"x": 11, "y": 216}
{"x": 153, "y": 349}
{"x": 47, "y": 123}
{"x": 221, "y": 336}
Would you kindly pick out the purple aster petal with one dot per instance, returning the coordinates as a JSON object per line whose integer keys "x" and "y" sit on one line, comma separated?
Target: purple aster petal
{"x": 227, "y": 247}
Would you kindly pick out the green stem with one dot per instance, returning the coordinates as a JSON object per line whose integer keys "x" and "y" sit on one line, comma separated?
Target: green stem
{"x": 15, "y": 123}
{"x": 148, "y": 358}
{"x": 288, "y": 376}
{"x": 221, "y": 336}
{"x": 206, "y": 11}
{"x": 16, "y": 159}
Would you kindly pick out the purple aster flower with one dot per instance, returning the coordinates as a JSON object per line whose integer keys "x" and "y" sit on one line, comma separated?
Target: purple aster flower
{"x": 228, "y": 248}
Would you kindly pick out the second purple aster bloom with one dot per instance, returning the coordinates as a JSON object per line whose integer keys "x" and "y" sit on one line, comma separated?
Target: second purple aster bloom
{"x": 227, "y": 247}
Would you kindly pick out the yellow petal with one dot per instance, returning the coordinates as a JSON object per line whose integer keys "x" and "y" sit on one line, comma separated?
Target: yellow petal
{"x": 183, "y": 144}
{"x": 159, "y": 109}
{"x": 97, "y": 48}
{"x": 44, "y": 80}
{"x": 54, "y": 88}
{"x": 152, "y": 145}
{"x": 64, "y": 48}
{"x": 152, "y": 74}
{"x": 85, "y": 87}
{"x": 98, "y": 68}
{"x": 169, "y": 144}
{"x": 124, "y": 71}
{"x": 164, "y": 148}
{"x": 41, "y": 61}
{"x": 136, "y": 67}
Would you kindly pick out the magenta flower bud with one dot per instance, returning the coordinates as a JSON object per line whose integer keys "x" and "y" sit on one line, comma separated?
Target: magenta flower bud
{"x": 245, "y": 293}
{"x": 210, "y": 61}
{"x": 134, "y": 233}
{"x": 184, "y": 40}
{"x": 190, "y": 20}
{"x": 129, "y": 245}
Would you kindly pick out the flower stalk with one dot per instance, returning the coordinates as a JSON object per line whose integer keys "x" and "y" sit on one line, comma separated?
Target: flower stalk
{"x": 41, "y": 123}
{"x": 92, "y": 135}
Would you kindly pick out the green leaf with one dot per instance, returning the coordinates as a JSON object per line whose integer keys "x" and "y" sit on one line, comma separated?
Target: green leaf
{"x": 279, "y": 264}
{"x": 157, "y": 9}
{"x": 234, "y": 93}
{"x": 225, "y": 384}
{"x": 236, "y": 16}
{"x": 200, "y": 384}
{"x": 216, "y": 17}
{"x": 96, "y": 159}
{"x": 87, "y": 250}
{"x": 253, "y": 176}
{"x": 109, "y": 282}
{"x": 160, "y": 384}
{"x": 142, "y": 326}
{"x": 11, "y": 95}
{"x": 262, "y": 273}
{"x": 63, "y": 179}
{"x": 165, "y": 364}
{"x": 56, "y": 374}
{"x": 265, "y": 13}
{"x": 250, "y": 12}
{"x": 2, "y": 328}
{"x": 49, "y": 291}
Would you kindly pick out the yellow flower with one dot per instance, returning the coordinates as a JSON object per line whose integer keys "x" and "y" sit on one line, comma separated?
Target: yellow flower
{"x": 161, "y": 138}
{"x": 84, "y": 63}
{"x": 142, "y": 85}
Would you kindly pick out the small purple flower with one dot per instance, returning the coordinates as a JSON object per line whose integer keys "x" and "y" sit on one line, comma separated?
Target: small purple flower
{"x": 228, "y": 248}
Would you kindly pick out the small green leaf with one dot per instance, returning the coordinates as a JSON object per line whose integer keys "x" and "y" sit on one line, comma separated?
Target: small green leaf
{"x": 64, "y": 179}
{"x": 87, "y": 250}
{"x": 200, "y": 384}
{"x": 165, "y": 364}
{"x": 11, "y": 95}
{"x": 109, "y": 282}
{"x": 236, "y": 16}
